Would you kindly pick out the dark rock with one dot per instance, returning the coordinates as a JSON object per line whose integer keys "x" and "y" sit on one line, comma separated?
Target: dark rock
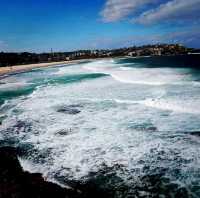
{"x": 68, "y": 110}
{"x": 16, "y": 183}
{"x": 9, "y": 162}
{"x": 105, "y": 183}
{"x": 144, "y": 127}
{"x": 157, "y": 185}
{"x": 102, "y": 184}
{"x": 65, "y": 132}
{"x": 195, "y": 133}
{"x": 11, "y": 141}
{"x": 152, "y": 128}
{"x": 75, "y": 106}
{"x": 20, "y": 126}
{"x": 23, "y": 126}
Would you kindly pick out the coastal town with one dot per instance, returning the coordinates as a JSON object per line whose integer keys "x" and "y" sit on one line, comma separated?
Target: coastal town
{"x": 9, "y": 59}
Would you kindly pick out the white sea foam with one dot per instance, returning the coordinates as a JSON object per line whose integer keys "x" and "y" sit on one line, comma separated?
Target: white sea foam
{"x": 180, "y": 106}
{"x": 72, "y": 69}
{"x": 112, "y": 126}
{"x": 125, "y": 68}
{"x": 31, "y": 167}
{"x": 146, "y": 76}
{"x": 11, "y": 86}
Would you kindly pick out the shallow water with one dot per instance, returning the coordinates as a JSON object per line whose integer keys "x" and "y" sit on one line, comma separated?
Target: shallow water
{"x": 134, "y": 120}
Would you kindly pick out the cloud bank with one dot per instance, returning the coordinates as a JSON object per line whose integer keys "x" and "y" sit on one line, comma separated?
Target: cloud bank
{"x": 115, "y": 10}
{"x": 176, "y": 10}
{"x": 165, "y": 11}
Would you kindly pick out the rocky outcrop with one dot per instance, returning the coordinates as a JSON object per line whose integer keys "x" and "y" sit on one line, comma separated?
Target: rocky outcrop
{"x": 16, "y": 183}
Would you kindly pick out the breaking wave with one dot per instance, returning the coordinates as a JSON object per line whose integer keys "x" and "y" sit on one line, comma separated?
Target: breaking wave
{"x": 116, "y": 126}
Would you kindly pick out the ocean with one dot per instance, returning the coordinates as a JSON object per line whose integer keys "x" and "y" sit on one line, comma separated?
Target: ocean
{"x": 129, "y": 125}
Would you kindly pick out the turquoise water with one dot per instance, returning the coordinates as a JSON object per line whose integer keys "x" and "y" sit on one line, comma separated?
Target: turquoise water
{"x": 135, "y": 119}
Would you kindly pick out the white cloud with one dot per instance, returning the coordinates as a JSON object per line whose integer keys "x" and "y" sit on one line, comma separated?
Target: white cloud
{"x": 171, "y": 10}
{"x": 115, "y": 10}
{"x": 177, "y": 10}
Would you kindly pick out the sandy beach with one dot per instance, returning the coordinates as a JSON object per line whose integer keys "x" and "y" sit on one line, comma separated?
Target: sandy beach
{"x": 21, "y": 68}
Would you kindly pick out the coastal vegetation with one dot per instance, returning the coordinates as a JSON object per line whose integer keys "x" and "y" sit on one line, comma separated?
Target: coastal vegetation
{"x": 10, "y": 59}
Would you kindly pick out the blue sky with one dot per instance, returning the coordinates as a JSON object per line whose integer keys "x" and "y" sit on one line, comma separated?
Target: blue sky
{"x": 64, "y": 25}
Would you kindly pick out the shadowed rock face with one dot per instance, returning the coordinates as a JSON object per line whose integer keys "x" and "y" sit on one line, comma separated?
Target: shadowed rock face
{"x": 16, "y": 183}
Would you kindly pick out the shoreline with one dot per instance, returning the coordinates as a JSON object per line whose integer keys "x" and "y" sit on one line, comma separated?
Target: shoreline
{"x": 15, "y": 69}
{"x": 9, "y": 70}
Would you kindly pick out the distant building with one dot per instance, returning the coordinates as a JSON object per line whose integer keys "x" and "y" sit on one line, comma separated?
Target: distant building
{"x": 109, "y": 54}
{"x": 157, "y": 51}
{"x": 139, "y": 52}
{"x": 133, "y": 53}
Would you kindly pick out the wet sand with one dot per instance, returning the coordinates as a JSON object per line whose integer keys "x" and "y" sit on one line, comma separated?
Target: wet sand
{"x": 21, "y": 68}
